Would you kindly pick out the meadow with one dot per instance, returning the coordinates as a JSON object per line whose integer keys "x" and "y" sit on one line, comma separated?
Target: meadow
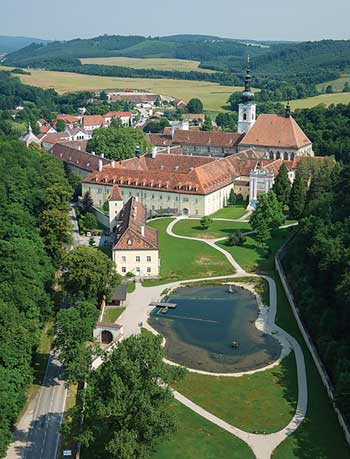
{"x": 213, "y": 96}
{"x": 181, "y": 65}
{"x": 338, "y": 84}
{"x": 327, "y": 99}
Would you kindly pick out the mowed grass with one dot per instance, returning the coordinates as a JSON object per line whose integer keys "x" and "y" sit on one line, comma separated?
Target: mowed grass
{"x": 327, "y": 99}
{"x": 213, "y": 96}
{"x": 197, "y": 438}
{"x": 262, "y": 401}
{"x": 112, "y": 313}
{"x": 233, "y": 212}
{"x": 218, "y": 229}
{"x": 181, "y": 65}
{"x": 252, "y": 257}
{"x": 183, "y": 259}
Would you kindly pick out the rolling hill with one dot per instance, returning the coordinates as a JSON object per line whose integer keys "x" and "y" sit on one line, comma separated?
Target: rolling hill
{"x": 10, "y": 44}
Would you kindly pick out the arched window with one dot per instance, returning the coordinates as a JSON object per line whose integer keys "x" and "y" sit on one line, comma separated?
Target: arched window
{"x": 244, "y": 116}
{"x": 286, "y": 156}
{"x": 292, "y": 156}
{"x": 271, "y": 155}
{"x": 278, "y": 155}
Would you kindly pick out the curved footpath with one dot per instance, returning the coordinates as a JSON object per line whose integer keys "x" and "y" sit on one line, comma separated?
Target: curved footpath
{"x": 135, "y": 316}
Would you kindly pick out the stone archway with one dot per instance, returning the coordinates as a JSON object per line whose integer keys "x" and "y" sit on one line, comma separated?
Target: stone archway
{"x": 106, "y": 337}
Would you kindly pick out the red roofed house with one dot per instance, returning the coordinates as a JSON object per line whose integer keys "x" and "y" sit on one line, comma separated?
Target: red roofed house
{"x": 135, "y": 248}
{"x": 71, "y": 121}
{"x": 92, "y": 122}
{"x": 125, "y": 117}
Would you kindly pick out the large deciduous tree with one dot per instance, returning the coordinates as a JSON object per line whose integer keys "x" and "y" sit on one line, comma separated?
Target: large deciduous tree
{"x": 127, "y": 400}
{"x": 88, "y": 273}
{"x": 118, "y": 143}
{"x": 195, "y": 106}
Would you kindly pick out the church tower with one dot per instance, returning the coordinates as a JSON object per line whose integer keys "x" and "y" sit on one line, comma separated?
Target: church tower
{"x": 247, "y": 107}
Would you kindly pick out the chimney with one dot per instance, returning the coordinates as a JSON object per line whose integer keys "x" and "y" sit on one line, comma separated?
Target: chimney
{"x": 168, "y": 149}
{"x": 154, "y": 152}
{"x": 102, "y": 155}
{"x": 142, "y": 230}
{"x": 100, "y": 165}
{"x": 93, "y": 153}
{"x": 113, "y": 163}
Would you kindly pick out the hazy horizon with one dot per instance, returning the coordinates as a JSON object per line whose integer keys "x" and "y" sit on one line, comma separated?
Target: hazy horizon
{"x": 272, "y": 20}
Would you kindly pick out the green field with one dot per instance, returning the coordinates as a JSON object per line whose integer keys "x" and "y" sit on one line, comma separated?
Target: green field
{"x": 327, "y": 99}
{"x": 181, "y": 65}
{"x": 337, "y": 84}
{"x": 262, "y": 401}
{"x": 183, "y": 259}
{"x": 217, "y": 229}
{"x": 111, "y": 314}
{"x": 233, "y": 212}
{"x": 213, "y": 96}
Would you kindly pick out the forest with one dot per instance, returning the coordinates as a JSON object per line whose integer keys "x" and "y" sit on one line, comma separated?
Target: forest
{"x": 34, "y": 226}
{"x": 317, "y": 264}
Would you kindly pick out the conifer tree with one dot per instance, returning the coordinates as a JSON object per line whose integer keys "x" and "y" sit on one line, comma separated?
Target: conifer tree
{"x": 298, "y": 193}
{"x": 282, "y": 185}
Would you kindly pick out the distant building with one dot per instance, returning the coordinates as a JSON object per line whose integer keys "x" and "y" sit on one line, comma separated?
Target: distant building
{"x": 92, "y": 122}
{"x": 135, "y": 98}
{"x": 207, "y": 143}
{"x": 125, "y": 118}
{"x": 135, "y": 247}
{"x": 28, "y": 137}
{"x": 71, "y": 121}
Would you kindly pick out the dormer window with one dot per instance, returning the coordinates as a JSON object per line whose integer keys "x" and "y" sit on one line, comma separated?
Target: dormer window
{"x": 129, "y": 241}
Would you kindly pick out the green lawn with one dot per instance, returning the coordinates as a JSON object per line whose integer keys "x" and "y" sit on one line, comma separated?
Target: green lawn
{"x": 327, "y": 99}
{"x": 252, "y": 257}
{"x": 217, "y": 229}
{"x": 182, "y": 259}
{"x": 197, "y": 438}
{"x": 265, "y": 400}
{"x": 131, "y": 287}
{"x": 111, "y": 314}
{"x": 234, "y": 212}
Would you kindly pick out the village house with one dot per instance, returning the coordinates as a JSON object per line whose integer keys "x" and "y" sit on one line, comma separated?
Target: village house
{"x": 70, "y": 120}
{"x": 125, "y": 118}
{"x": 92, "y": 122}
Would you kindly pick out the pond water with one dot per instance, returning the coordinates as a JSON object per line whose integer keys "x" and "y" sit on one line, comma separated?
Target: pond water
{"x": 199, "y": 332}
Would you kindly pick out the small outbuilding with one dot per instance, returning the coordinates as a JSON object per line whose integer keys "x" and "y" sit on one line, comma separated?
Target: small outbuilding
{"x": 119, "y": 296}
{"x": 107, "y": 333}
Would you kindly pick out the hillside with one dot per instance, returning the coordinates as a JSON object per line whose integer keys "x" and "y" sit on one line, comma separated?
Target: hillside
{"x": 11, "y": 44}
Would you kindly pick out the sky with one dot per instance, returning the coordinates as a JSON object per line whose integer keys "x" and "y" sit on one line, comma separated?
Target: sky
{"x": 246, "y": 19}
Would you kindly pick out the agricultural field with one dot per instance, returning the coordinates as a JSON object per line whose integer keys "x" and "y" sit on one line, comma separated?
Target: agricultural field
{"x": 182, "y": 65}
{"x": 327, "y": 99}
{"x": 337, "y": 84}
{"x": 213, "y": 96}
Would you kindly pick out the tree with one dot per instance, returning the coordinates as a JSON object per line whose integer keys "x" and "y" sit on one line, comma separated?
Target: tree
{"x": 346, "y": 87}
{"x": 118, "y": 143}
{"x": 133, "y": 415}
{"x": 236, "y": 238}
{"x": 90, "y": 221}
{"x": 232, "y": 198}
{"x": 267, "y": 217}
{"x": 298, "y": 193}
{"x": 55, "y": 228}
{"x": 227, "y": 121}
{"x": 74, "y": 328}
{"x": 206, "y": 222}
{"x": 329, "y": 89}
{"x": 87, "y": 202}
{"x": 88, "y": 273}
{"x": 207, "y": 125}
{"x": 116, "y": 122}
{"x": 57, "y": 196}
{"x": 282, "y": 185}
{"x": 60, "y": 126}
{"x": 195, "y": 105}
{"x": 103, "y": 95}
{"x": 156, "y": 125}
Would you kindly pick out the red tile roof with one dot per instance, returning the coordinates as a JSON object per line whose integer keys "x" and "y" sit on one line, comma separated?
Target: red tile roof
{"x": 77, "y": 158}
{"x": 93, "y": 120}
{"x": 118, "y": 114}
{"x": 132, "y": 232}
{"x": 69, "y": 119}
{"x": 276, "y": 131}
{"x": 209, "y": 139}
{"x": 193, "y": 116}
{"x": 116, "y": 194}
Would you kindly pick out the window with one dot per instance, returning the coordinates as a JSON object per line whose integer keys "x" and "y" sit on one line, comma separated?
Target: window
{"x": 148, "y": 269}
{"x": 123, "y": 269}
{"x": 138, "y": 259}
{"x": 244, "y": 116}
{"x": 124, "y": 259}
{"x": 149, "y": 259}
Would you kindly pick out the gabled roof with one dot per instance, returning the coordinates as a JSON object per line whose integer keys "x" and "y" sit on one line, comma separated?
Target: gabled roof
{"x": 193, "y": 116}
{"x": 118, "y": 115}
{"x": 276, "y": 131}
{"x": 209, "y": 139}
{"x": 69, "y": 119}
{"x": 93, "y": 120}
{"x": 132, "y": 232}
{"x": 77, "y": 158}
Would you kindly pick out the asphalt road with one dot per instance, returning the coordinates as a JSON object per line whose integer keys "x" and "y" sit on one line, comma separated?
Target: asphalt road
{"x": 43, "y": 435}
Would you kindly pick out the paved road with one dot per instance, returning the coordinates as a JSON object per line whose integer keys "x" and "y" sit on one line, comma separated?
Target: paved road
{"x": 37, "y": 433}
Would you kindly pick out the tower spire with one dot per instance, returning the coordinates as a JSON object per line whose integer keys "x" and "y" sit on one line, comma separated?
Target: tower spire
{"x": 248, "y": 78}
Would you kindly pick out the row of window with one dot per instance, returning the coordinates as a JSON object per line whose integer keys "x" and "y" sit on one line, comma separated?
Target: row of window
{"x": 138, "y": 259}
{"x": 138, "y": 270}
